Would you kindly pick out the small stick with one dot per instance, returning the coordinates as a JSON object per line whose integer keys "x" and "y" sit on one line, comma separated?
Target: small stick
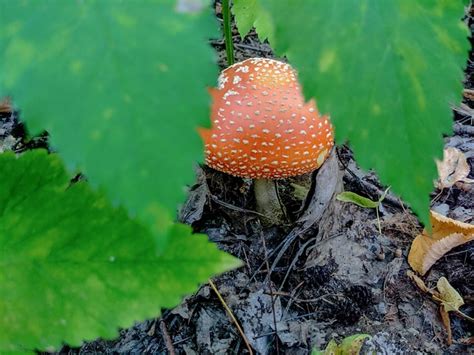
{"x": 167, "y": 338}
{"x": 231, "y": 315}
{"x": 271, "y": 294}
{"x": 235, "y": 208}
{"x": 378, "y": 219}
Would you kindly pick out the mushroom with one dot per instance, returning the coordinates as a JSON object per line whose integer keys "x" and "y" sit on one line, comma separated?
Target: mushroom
{"x": 263, "y": 129}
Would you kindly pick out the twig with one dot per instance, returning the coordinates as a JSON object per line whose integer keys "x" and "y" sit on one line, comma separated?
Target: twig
{"x": 463, "y": 315}
{"x": 184, "y": 340}
{"x": 301, "y": 250}
{"x": 320, "y": 298}
{"x": 378, "y": 219}
{"x": 273, "y": 252}
{"x": 466, "y": 111}
{"x": 271, "y": 296}
{"x": 461, "y": 129}
{"x": 235, "y": 208}
{"x": 167, "y": 338}
{"x": 292, "y": 296}
{"x": 231, "y": 315}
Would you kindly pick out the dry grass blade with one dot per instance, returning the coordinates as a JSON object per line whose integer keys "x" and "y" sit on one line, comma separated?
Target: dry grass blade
{"x": 231, "y": 315}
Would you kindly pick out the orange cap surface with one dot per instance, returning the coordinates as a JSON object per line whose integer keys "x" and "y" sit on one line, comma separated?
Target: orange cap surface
{"x": 261, "y": 125}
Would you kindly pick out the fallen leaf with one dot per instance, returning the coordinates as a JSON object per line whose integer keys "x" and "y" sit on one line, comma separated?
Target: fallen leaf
{"x": 447, "y": 324}
{"x": 446, "y": 234}
{"x": 350, "y": 345}
{"x": 453, "y": 168}
{"x": 332, "y": 348}
{"x": 450, "y": 299}
{"x": 353, "y": 344}
{"x": 419, "y": 282}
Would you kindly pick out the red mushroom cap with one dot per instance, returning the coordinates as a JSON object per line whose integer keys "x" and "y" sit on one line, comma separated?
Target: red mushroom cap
{"x": 261, "y": 125}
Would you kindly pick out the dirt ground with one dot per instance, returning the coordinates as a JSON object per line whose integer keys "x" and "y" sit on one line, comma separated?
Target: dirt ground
{"x": 325, "y": 274}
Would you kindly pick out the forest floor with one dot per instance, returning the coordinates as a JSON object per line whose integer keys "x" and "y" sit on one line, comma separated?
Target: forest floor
{"x": 322, "y": 275}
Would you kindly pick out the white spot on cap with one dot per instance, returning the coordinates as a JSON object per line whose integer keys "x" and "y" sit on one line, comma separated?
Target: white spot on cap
{"x": 243, "y": 69}
{"x": 322, "y": 156}
{"x": 221, "y": 81}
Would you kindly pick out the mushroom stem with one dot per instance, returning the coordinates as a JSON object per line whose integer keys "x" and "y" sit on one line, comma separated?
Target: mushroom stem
{"x": 267, "y": 201}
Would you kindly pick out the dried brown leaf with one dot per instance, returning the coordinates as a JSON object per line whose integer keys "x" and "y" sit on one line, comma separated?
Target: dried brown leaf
{"x": 453, "y": 168}
{"x": 446, "y": 234}
{"x": 447, "y": 324}
{"x": 467, "y": 341}
{"x": 5, "y": 105}
{"x": 418, "y": 281}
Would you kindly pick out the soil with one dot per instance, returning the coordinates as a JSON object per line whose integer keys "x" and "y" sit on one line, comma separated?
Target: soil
{"x": 327, "y": 273}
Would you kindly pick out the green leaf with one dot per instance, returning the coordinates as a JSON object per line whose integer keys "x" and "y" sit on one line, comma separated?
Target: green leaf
{"x": 332, "y": 348}
{"x": 248, "y": 14}
{"x": 352, "y": 345}
{"x": 121, "y": 87}
{"x": 387, "y": 72}
{"x": 348, "y": 196}
{"x": 74, "y": 268}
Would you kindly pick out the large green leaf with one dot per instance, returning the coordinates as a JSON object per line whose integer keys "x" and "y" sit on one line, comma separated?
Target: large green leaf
{"x": 387, "y": 72}
{"x": 120, "y": 86}
{"x": 250, "y": 13}
{"x": 74, "y": 268}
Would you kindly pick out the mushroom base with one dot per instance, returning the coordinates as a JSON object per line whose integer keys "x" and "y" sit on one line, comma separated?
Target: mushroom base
{"x": 268, "y": 202}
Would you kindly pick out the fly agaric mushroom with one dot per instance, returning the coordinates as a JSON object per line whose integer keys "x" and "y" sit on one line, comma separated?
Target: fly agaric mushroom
{"x": 263, "y": 129}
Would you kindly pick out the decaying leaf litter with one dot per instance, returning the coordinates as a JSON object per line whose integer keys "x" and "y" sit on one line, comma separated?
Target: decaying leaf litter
{"x": 305, "y": 283}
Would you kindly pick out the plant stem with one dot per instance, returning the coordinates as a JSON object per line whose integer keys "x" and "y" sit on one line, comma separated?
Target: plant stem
{"x": 378, "y": 219}
{"x": 465, "y": 316}
{"x": 229, "y": 45}
{"x": 267, "y": 201}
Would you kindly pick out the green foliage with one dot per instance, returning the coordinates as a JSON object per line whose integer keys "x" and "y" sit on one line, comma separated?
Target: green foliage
{"x": 350, "y": 345}
{"x": 248, "y": 14}
{"x": 75, "y": 268}
{"x": 387, "y": 73}
{"x": 119, "y": 85}
{"x": 349, "y": 196}
{"x": 353, "y": 344}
